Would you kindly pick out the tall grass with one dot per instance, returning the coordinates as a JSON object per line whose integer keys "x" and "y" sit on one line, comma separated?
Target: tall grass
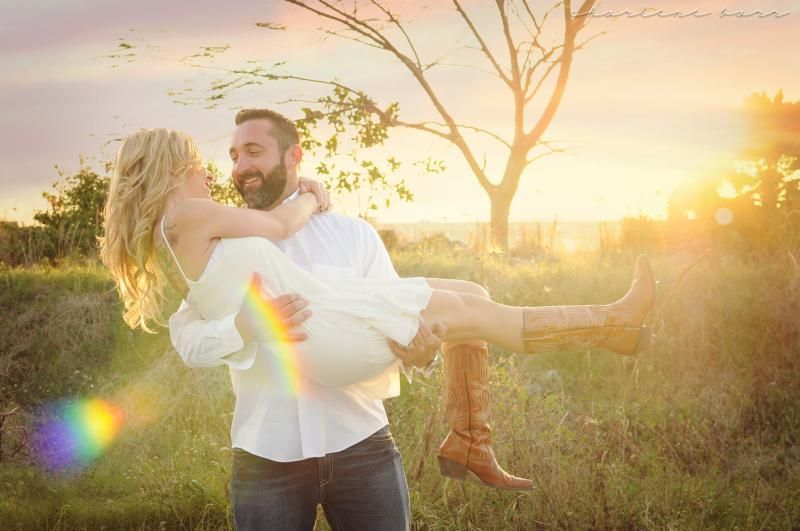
{"x": 700, "y": 431}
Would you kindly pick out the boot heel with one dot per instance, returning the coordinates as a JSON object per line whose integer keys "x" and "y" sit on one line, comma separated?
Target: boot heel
{"x": 452, "y": 469}
{"x": 630, "y": 340}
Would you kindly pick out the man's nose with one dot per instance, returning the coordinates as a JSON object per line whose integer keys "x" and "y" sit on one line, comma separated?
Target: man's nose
{"x": 240, "y": 166}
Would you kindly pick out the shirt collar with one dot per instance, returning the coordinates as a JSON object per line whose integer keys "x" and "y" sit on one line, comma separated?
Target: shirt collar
{"x": 293, "y": 196}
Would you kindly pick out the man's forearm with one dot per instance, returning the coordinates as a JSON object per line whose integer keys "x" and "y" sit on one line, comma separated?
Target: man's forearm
{"x": 294, "y": 214}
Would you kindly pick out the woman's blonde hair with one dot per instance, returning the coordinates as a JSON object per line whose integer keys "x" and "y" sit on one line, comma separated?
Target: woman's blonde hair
{"x": 150, "y": 164}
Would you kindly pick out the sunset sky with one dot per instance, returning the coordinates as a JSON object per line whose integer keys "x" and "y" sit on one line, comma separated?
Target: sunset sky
{"x": 650, "y": 103}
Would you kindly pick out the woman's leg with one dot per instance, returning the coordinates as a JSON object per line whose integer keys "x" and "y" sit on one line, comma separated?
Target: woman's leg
{"x": 467, "y": 451}
{"x": 472, "y": 317}
{"x": 468, "y": 312}
{"x": 616, "y": 326}
{"x": 461, "y": 287}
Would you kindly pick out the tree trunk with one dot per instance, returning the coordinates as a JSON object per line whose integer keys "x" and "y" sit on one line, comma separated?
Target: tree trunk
{"x": 502, "y": 195}
{"x": 498, "y": 225}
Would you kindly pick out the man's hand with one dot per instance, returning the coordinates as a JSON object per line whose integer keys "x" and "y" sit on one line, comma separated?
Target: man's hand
{"x": 290, "y": 308}
{"x": 307, "y": 185}
{"x": 423, "y": 347}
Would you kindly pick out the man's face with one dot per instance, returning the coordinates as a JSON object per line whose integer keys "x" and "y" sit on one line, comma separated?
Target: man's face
{"x": 259, "y": 169}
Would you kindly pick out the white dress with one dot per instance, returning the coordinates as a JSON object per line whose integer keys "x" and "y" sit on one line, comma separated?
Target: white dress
{"x": 350, "y": 319}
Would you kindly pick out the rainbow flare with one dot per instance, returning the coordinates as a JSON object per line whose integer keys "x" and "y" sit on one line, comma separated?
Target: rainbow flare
{"x": 75, "y": 432}
{"x": 268, "y": 316}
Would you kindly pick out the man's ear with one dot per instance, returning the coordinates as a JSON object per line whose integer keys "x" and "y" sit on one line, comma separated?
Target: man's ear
{"x": 293, "y": 156}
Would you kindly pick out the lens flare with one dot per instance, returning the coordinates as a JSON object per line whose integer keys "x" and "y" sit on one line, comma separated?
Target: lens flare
{"x": 268, "y": 317}
{"x": 72, "y": 433}
{"x": 724, "y": 216}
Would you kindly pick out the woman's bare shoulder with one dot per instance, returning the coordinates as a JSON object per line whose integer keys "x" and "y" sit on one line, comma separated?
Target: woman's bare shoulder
{"x": 193, "y": 216}
{"x": 192, "y": 208}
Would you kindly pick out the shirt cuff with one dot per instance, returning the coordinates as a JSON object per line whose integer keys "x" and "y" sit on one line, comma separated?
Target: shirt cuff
{"x": 426, "y": 371}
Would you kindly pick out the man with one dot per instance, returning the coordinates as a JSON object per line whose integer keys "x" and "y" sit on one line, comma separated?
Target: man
{"x": 298, "y": 444}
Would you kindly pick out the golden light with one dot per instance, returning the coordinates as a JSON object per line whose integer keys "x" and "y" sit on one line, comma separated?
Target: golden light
{"x": 724, "y": 216}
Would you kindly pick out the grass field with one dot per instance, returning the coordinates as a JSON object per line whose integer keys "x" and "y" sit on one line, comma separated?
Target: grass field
{"x": 701, "y": 431}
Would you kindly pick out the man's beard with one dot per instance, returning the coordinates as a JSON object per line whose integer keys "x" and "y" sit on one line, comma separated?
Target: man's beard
{"x": 268, "y": 191}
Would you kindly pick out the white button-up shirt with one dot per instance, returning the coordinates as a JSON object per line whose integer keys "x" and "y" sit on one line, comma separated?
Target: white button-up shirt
{"x": 272, "y": 418}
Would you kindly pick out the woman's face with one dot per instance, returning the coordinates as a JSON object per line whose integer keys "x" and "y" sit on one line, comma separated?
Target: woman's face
{"x": 198, "y": 183}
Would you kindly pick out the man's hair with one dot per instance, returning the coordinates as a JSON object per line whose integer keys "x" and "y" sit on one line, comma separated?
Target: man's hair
{"x": 284, "y": 130}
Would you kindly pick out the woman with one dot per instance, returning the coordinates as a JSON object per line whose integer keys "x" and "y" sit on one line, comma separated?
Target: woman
{"x": 159, "y": 211}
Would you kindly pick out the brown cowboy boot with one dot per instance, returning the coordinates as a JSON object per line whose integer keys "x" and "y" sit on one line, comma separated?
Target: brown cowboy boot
{"x": 616, "y": 326}
{"x": 466, "y": 452}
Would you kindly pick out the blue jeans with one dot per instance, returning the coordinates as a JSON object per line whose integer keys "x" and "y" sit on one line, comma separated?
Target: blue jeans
{"x": 360, "y": 488}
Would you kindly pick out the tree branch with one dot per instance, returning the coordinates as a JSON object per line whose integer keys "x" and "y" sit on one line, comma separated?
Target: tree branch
{"x": 394, "y": 20}
{"x": 533, "y": 17}
{"x": 512, "y": 50}
{"x": 590, "y": 39}
{"x": 571, "y": 27}
{"x": 262, "y": 73}
{"x": 422, "y": 126}
{"x": 530, "y": 95}
{"x": 372, "y": 33}
{"x": 483, "y": 45}
{"x": 477, "y": 130}
{"x": 350, "y": 21}
{"x": 550, "y": 151}
{"x": 354, "y": 39}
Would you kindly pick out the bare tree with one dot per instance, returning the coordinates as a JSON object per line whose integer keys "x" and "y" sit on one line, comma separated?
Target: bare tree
{"x": 524, "y": 67}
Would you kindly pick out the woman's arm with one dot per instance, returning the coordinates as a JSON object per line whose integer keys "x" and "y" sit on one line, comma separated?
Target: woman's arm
{"x": 216, "y": 220}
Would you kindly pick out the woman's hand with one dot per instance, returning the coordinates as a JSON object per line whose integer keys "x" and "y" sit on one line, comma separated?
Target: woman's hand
{"x": 318, "y": 189}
